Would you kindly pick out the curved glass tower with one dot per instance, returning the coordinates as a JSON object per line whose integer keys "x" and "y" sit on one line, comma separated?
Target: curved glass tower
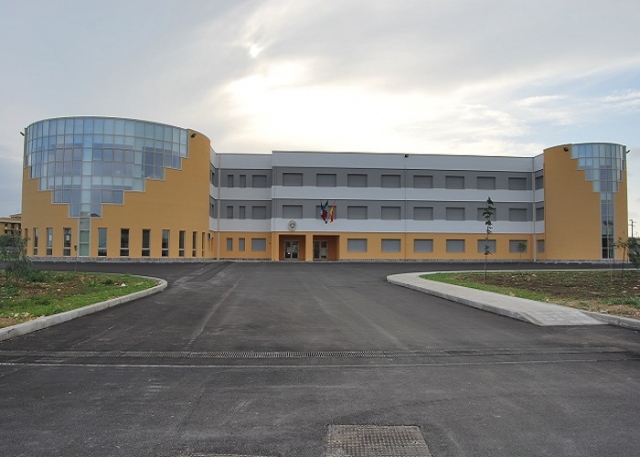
{"x": 88, "y": 162}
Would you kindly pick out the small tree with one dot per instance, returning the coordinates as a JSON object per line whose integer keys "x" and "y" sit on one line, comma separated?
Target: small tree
{"x": 488, "y": 212}
{"x": 13, "y": 253}
{"x": 624, "y": 245}
{"x": 633, "y": 248}
{"x": 521, "y": 247}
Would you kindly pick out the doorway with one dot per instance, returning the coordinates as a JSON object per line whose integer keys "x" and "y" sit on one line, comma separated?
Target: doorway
{"x": 291, "y": 249}
{"x": 320, "y": 250}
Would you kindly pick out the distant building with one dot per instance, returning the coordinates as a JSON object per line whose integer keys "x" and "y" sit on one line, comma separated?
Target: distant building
{"x": 112, "y": 188}
{"x": 10, "y": 225}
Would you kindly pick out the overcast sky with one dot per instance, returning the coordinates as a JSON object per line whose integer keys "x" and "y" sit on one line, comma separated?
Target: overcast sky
{"x": 496, "y": 77}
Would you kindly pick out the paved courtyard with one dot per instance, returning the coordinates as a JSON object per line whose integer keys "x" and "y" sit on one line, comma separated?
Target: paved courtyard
{"x": 321, "y": 359}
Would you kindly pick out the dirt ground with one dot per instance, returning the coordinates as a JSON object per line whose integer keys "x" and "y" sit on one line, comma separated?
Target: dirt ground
{"x": 615, "y": 292}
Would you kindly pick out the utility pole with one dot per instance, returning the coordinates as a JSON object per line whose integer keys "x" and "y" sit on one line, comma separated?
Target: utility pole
{"x": 632, "y": 232}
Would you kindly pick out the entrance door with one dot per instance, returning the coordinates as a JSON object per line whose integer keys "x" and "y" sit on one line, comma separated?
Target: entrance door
{"x": 291, "y": 249}
{"x": 320, "y": 250}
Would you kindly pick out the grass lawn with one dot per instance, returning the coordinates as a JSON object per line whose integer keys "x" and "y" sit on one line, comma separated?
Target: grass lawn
{"x": 611, "y": 292}
{"x": 56, "y": 292}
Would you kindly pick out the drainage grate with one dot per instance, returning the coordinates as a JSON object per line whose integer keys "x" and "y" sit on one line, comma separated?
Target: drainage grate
{"x": 311, "y": 354}
{"x": 375, "y": 441}
{"x": 218, "y": 455}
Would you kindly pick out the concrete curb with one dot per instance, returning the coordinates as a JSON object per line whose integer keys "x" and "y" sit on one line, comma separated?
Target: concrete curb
{"x": 624, "y": 322}
{"x": 48, "y": 321}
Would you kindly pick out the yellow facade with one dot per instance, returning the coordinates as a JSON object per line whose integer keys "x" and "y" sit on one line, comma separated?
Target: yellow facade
{"x": 573, "y": 209}
{"x": 177, "y": 203}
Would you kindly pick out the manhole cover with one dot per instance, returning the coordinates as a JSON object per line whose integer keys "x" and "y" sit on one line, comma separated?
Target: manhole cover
{"x": 375, "y": 441}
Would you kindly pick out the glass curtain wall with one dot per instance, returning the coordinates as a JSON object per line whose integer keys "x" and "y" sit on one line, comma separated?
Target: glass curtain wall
{"x": 604, "y": 164}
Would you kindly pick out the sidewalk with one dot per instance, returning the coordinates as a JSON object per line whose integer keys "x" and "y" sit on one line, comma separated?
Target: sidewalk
{"x": 531, "y": 311}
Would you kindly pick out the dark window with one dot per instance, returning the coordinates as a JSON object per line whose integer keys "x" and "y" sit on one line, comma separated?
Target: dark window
{"x": 146, "y": 243}
{"x": 326, "y": 180}
{"x": 390, "y": 181}
{"x": 517, "y": 183}
{"x": 517, "y": 214}
{"x": 102, "y": 242}
{"x": 165, "y": 243}
{"x": 181, "y": 237}
{"x": 259, "y": 181}
{"x": 357, "y": 212}
{"x": 486, "y": 182}
{"x": 390, "y": 213}
{"x": 455, "y": 214}
{"x": 455, "y": 245}
{"x": 356, "y": 180}
{"x": 292, "y": 179}
{"x": 423, "y": 213}
{"x": 454, "y": 182}
{"x": 258, "y": 212}
{"x": 124, "y": 242}
{"x": 423, "y": 182}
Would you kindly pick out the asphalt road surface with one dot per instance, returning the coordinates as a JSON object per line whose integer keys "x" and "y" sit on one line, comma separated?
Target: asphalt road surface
{"x": 262, "y": 359}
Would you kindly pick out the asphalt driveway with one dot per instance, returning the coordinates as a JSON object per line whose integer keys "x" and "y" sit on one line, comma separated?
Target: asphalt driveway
{"x": 262, "y": 359}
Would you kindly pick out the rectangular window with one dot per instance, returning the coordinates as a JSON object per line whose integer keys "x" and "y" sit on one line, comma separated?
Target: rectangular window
{"x": 422, "y": 245}
{"x": 423, "y": 213}
{"x": 49, "y": 241}
{"x": 292, "y": 179}
{"x": 259, "y": 181}
{"x": 229, "y": 212}
{"x": 165, "y": 243}
{"x": 390, "y": 245}
{"x": 194, "y": 244}
{"x": 517, "y": 214}
{"x": 539, "y": 182}
{"x": 517, "y": 183}
{"x": 35, "y": 241}
{"x": 258, "y": 212}
{"x": 212, "y": 210}
{"x": 241, "y": 246}
{"x": 181, "y": 237}
{"x": 518, "y": 246}
{"x": 292, "y": 211}
{"x": 390, "y": 213}
{"x": 212, "y": 177}
{"x": 356, "y": 180}
{"x": 357, "y": 212}
{"x": 455, "y": 214}
{"x": 146, "y": 243}
{"x": 229, "y": 180}
{"x": 490, "y": 243}
{"x": 540, "y": 214}
{"x": 102, "y": 242}
{"x": 486, "y": 182}
{"x": 124, "y": 242}
{"x": 454, "y": 182}
{"x": 66, "y": 239}
{"x": 356, "y": 245}
{"x": 258, "y": 244}
{"x": 390, "y": 181}
{"x": 243, "y": 181}
{"x": 229, "y": 244}
{"x": 422, "y": 182}
{"x": 541, "y": 246}
{"x": 242, "y": 212}
{"x": 325, "y": 180}
{"x": 455, "y": 246}
{"x": 202, "y": 245}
